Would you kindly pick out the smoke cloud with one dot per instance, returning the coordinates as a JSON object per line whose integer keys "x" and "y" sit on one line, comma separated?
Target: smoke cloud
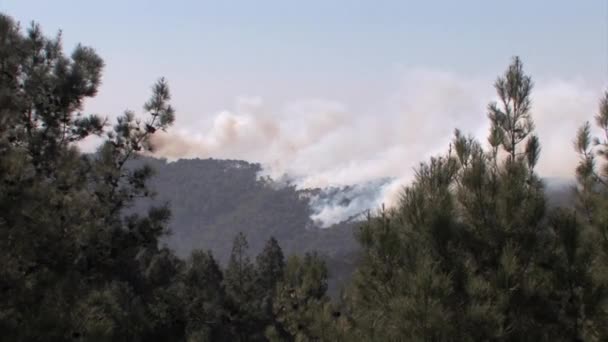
{"x": 321, "y": 143}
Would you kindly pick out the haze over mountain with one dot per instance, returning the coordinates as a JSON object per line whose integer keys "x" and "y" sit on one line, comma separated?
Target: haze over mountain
{"x": 341, "y": 105}
{"x": 318, "y": 144}
{"x": 212, "y": 200}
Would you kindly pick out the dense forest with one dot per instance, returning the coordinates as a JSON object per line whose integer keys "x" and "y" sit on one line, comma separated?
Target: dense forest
{"x": 473, "y": 251}
{"x": 213, "y": 200}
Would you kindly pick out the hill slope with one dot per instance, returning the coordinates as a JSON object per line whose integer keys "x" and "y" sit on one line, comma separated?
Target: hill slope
{"x": 212, "y": 200}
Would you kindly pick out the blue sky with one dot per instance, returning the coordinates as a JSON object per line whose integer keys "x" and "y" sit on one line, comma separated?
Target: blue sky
{"x": 322, "y": 48}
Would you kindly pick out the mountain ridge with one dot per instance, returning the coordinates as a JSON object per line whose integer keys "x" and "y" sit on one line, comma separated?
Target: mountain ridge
{"x": 214, "y": 199}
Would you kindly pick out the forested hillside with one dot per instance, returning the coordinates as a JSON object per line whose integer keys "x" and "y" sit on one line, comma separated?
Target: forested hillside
{"x": 213, "y": 200}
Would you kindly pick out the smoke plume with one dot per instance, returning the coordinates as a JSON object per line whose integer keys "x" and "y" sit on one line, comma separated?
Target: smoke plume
{"x": 320, "y": 143}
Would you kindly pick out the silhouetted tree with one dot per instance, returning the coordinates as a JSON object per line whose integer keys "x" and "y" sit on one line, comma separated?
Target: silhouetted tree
{"x": 69, "y": 257}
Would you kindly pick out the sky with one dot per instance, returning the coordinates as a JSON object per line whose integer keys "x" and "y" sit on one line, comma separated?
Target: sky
{"x": 213, "y": 51}
{"x": 337, "y": 92}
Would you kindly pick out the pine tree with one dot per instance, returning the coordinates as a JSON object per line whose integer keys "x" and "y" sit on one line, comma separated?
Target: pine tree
{"x": 239, "y": 282}
{"x": 301, "y": 301}
{"x": 270, "y": 264}
{"x": 68, "y": 253}
{"x": 504, "y": 210}
{"x": 586, "y": 263}
{"x": 404, "y": 287}
{"x": 205, "y": 299}
{"x": 468, "y": 254}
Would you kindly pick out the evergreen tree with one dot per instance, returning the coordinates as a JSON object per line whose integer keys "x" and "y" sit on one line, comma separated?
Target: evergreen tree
{"x": 504, "y": 210}
{"x": 585, "y": 265}
{"x": 468, "y": 254}
{"x": 301, "y": 300}
{"x": 270, "y": 264}
{"x": 205, "y": 299}
{"x": 239, "y": 281}
{"x": 69, "y": 257}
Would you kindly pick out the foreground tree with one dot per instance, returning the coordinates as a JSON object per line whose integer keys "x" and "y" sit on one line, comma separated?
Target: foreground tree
{"x": 471, "y": 252}
{"x": 301, "y": 304}
{"x": 71, "y": 262}
{"x": 239, "y": 281}
{"x": 585, "y": 263}
{"x": 75, "y": 262}
{"x": 270, "y": 265}
{"x": 204, "y": 299}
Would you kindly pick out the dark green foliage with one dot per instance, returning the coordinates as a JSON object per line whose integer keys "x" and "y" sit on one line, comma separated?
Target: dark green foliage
{"x": 270, "y": 264}
{"x": 204, "y": 298}
{"x": 471, "y": 252}
{"x": 73, "y": 266}
{"x": 212, "y": 200}
{"x": 300, "y": 303}
{"x": 77, "y": 262}
{"x": 587, "y": 262}
{"x": 239, "y": 281}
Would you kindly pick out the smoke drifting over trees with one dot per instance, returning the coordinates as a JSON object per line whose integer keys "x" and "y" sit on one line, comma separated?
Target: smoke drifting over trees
{"x": 324, "y": 144}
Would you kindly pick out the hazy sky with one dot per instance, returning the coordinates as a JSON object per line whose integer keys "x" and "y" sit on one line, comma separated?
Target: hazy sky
{"x": 349, "y": 51}
{"x": 338, "y": 92}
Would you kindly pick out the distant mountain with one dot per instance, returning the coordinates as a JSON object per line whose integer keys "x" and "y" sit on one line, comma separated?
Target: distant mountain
{"x": 560, "y": 191}
{"x": 212, "y": 200}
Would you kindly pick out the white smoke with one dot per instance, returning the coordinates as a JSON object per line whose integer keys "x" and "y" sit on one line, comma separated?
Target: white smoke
{"x": 334, "y": 205}
{"x": 321, "y": 143}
